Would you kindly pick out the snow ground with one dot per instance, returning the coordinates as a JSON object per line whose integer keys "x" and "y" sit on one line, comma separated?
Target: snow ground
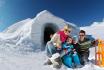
{"x": 34, "y": 61}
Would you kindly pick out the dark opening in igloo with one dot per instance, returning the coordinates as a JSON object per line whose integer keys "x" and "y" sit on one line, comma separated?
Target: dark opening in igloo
{"x": 48, "y": 30}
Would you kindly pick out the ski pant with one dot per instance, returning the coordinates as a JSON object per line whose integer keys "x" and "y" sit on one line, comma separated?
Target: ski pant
{"x": 84, "y": 57}
{"x": 67, "y": 60}
{"x": 76, "y": 59}
{"x": 50, "y": 49}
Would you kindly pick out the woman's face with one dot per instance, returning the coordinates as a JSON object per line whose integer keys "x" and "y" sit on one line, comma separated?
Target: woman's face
{"x": 69, "y": 40}
{"x": 67, "y": 32}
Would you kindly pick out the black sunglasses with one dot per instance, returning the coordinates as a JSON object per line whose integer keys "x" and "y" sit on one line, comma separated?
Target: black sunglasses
{"x": 81, "y": 35}
{"x": 68, "y": 30}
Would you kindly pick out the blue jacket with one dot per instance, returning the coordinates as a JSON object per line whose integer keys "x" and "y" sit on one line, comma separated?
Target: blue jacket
{"x": 68, "y": 47}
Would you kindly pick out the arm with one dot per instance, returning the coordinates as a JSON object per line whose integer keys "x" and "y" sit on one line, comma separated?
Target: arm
{"x": 94, "y": 43}
{"x": 65, "y": 46}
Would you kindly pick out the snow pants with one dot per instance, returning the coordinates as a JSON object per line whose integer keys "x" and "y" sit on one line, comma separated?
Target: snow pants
{"x": 68, "y": 60}
{"x": 84, "y": 57}
{"x": 76, "y": 59}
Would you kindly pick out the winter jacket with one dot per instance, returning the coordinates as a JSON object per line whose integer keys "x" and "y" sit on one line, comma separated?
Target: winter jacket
{"x": 62, "y": 36}
{"x": 68, "y": 48}
{"x": 59, "y": 38}
{"x": 76, "y": 47}
{"x": 85, "y": 45}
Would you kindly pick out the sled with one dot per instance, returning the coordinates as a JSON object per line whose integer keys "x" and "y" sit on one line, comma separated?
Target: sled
{"x": 99, "y": 53}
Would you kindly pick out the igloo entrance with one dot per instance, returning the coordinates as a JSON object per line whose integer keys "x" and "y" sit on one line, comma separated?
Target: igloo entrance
{"x": 48, "y": 30}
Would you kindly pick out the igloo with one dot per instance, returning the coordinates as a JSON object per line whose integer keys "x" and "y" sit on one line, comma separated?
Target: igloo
{"x": 45, "y": 24}
{"x": 37, "y": 30}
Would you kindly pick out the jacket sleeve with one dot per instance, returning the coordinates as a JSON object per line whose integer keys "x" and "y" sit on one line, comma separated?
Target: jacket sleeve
{"x": 65, "y": 46}
{"x": 70, "y": 48}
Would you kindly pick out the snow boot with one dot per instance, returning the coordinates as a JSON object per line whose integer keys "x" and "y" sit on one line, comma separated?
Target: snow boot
{"x": 56, "y": 60}
{"x": 48, "y": 62}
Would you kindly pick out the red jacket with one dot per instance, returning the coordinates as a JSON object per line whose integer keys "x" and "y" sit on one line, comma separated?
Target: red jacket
{"x": 62, "y": 36}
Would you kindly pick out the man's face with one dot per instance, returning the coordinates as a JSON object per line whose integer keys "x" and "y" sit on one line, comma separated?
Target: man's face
{"x": 81, "y": 36}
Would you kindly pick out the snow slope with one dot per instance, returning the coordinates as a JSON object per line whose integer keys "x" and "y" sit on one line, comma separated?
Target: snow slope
{"x": 17, "y": 49}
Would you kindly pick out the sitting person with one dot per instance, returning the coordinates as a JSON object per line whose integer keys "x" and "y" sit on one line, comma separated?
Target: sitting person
{"x": 70, "y": 54}
{"x": 84, "y": 44}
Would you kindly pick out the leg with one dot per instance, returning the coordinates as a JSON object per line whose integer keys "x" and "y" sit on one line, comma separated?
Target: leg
{"x": 81, "y": 57}
{"x": 76, "y": 59}
{"x": 86, "y": 55}
{"x": 67, "y": 61}
{"x": 50, "y": 49}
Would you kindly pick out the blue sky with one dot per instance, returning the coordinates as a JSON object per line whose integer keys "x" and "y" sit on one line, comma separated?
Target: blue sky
{"x": 79, "y": 12}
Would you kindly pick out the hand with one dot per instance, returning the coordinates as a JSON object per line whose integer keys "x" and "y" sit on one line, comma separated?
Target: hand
{"x": 95, "y": 43}
{"x": 73, "y": 49}
{"x": 54, "y": 44}
{"x": 75, "y": 52}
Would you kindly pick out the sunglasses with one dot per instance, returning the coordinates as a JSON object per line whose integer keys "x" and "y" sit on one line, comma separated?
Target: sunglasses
{"x": 68, "y": 31}
{"x": 81, "y": 35}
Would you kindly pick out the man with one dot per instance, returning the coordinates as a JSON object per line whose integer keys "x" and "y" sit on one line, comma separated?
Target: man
{"x": 84, "y": 45}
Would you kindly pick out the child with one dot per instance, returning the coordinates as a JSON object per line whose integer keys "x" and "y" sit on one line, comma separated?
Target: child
{"x": 75, "y": 44}
{"x": 70, "y": 54}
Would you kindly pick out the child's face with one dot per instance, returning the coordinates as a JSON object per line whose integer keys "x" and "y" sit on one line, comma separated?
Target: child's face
{"x": 74, "y": 41}
{"x": 69, "y": 40}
